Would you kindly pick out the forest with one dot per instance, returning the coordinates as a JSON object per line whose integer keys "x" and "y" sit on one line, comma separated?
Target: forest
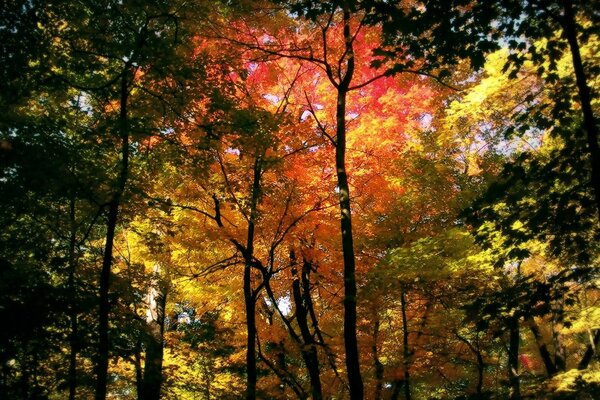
{"x": 299, "y": 199}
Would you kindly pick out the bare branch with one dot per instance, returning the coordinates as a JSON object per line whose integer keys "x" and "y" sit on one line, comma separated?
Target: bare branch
{"x": 320, "y": 126}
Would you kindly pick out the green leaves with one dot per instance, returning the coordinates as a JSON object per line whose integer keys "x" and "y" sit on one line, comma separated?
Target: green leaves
{"x": 544, "y": 197}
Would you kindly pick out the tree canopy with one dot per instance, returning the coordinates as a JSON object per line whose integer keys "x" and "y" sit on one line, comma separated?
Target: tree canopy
{"x": 299, "y": 199}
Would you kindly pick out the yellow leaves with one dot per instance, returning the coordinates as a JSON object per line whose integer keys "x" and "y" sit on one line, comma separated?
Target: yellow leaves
{"x": 451, "y": 253}
{"x": 573, "y": 382}
{"x": 585, "y": 320}
{"x": 482, "y": 101}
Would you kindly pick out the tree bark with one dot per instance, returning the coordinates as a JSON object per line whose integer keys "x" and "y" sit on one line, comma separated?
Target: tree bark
{"x": 350, "y": 335}
{"x": 585, "y": 97}
{"x": 249, "y": 295}
{"x": 113, "y": 212}
{"x": 589, "y": 351}
{"x": 309, "y": 349}
{"x": 155, "y": 320}
{"x": 542, "y": 347}
{"x": 251, "y": 332}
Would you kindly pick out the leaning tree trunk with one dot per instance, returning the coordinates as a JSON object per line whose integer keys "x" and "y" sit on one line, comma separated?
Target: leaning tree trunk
{"x": 542, "y": 347}
{"x": 589, "y": 351}
{"x": 113, "y": 212}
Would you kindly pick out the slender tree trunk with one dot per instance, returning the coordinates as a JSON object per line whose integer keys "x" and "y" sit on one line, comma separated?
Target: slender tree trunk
{"x": 570, "y": 32}
{"x": 513, "y": 359}
{"x": 307, "y": 268}
{"x": 589, "y": 351}
{"x": 251, "y": 331}
{"x": 476, "y": 349}
{"x": 155, "y": 320}
{"x": 542, "y": 347}
{"x": 405, "y": 344}
{"x": 74, "y": 335}
{"x": 350, "y": 335}
{"x": 309, "y": 349}
{"x": 249, "y": 295}
{"x": 113, "y": 212}
{"x": 377, "y": 363}
{"x": 480, "y": 372}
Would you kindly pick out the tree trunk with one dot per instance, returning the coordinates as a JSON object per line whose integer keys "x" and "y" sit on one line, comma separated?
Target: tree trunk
{"x": 251, "y": 331}
{"x": 309, "y": 352}
{"x": 589, "y": 351}
{"x": 309, "y": 349}
{"x": 513, "y": 359}
{"x": 476, "y": 349}
{"x": 542, "y": 347}
{"x": 480, "y": 372}
{"x": 113, "y": 212}
{"x": 570, "y": 32}
{"x": 405, "y": 344}
{"x": 350, "y": 335}
{"x": 155, "y": 320}
{"x": 249, "y": 295}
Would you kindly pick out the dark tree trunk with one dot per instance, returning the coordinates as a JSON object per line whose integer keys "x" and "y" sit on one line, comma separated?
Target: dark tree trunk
{"x": 570, "y": 32}
{"x": 157, "y": 300}
{"x": 480, "y": 372}
{"x": 589, "y": 351}
{"x": 113, "y": 212}
{"x": 476, "y": 349}
{"x": 542, "y": 347}
{"x": 309, "y": 349}
{"x": 350, "y": 335}
{"x": 513, "y": 359}
{"x": 405, "y": 344}
{"x": 251, "y": 331}
{"x": 249, "y": 295}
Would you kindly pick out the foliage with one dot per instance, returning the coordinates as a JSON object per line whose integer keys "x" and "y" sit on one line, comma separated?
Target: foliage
{"x": 237, "y": 168}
